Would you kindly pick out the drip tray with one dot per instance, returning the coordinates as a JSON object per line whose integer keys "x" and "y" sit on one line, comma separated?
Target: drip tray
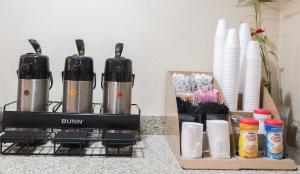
{"x": 118, "y": 140}
{"x": 118, "y": 143}
{"x": 26, "y": 137}
{"x": 71, "y": 143}
{"x": 71, "y": 137}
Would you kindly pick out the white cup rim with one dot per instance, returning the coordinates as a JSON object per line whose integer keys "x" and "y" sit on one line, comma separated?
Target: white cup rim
{"x": 216, "y": 122}
{"x": 193, "y": 124}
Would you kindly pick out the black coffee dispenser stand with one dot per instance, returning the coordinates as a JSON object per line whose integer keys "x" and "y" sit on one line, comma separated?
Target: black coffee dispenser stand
{"x": 48, "y": 135}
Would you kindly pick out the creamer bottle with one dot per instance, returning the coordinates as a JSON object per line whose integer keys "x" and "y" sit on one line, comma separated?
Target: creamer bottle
{"x": 274, "y": 139}
{"x": 248, "y": 142}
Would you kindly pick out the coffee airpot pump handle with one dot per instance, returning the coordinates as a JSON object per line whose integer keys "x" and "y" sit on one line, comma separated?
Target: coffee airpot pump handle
{"x": 102, "y": 79}
{"x": 51, "y": 80}
{"x": 80, "y": 47}
{"x": 119, "y": 49}
{"x": 36, "y": 46}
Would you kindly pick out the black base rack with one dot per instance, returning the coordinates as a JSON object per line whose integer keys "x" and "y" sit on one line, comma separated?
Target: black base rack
{"x": 58, "y": 133}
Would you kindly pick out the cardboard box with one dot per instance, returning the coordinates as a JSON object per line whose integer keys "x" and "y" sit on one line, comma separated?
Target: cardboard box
{"x": 172, "y": 135}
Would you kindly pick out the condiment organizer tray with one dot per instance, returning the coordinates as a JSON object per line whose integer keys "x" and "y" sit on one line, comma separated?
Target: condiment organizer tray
{"x": 172, "y": 133}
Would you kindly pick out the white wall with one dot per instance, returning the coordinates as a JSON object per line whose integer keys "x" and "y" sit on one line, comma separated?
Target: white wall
{"x": 289, "y": 55}
{"x": 159, "y": 35}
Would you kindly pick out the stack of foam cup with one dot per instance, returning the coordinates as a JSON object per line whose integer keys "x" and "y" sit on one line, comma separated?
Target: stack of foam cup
{"x": 218, "y": 139}
{"x": 245, "y": 37}
{"x": 253, "y": 77}
{"x": 231, "y": 68}
{"x": 219, "y": 42}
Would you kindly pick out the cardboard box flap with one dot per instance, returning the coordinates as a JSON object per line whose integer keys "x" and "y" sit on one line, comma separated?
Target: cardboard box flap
{"x": 267, "y": 164}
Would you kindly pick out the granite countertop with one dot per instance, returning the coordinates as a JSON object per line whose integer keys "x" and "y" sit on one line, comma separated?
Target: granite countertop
{"x": 151, "y": 155}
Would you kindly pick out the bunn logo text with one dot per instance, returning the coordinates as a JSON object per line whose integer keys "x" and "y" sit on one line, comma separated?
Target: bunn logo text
{"x": 71, "y": 121}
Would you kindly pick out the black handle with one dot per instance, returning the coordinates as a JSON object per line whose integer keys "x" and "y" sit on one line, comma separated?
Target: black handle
{"x": 102, "y": 78}
{"x": 119, "y": 49}
{"x": 94, "y": 80}
{"x": 133, "y": 77}
{"x": 62, "y": 76}
{"x": 51, "y": 79}
{"x": 80, "y": 47}
{"x": 36, "y": 46}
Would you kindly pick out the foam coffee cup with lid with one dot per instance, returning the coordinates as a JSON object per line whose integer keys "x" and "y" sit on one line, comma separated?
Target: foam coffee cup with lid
{"x": 191, "y": 140}
{"x": 261, "y": 115}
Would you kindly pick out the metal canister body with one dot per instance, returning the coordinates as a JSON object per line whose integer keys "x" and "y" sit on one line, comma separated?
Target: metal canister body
{"x": 117, "y": 97}
{"x": 77, "y": 96}
{"x": 117, "y": 82}
{"x": 33, "y": 95}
